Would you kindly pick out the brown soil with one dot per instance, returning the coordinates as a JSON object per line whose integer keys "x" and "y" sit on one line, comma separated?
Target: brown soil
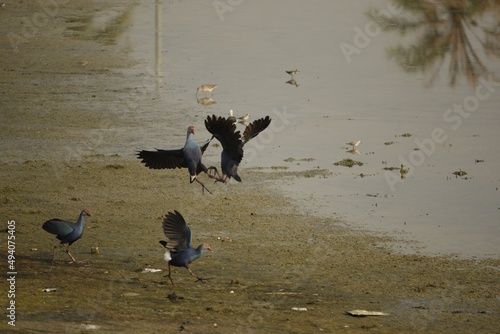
{"x": 268, "y": 256}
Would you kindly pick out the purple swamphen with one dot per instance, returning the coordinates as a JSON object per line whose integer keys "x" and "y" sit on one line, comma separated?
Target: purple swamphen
{"x": 180, "y": 252}
{"x": 66, "y": 231}
{"x": 187, "y": 157}
{"x": 232, "y": 142}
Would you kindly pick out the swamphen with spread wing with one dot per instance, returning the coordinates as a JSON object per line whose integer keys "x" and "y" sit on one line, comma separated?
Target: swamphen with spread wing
{"x": 232, "y": 142}
{"x": 180, "y": 252}
{"x": 187, "y": 157}
{"x": 66, "y": 231}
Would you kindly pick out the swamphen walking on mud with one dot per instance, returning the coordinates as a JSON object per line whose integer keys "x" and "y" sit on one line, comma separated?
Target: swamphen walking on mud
{"x": 66, "y": 231}
{"x": 180, "y": 252}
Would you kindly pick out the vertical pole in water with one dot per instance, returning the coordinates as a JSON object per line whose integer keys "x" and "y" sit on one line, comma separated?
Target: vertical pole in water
{"x": 158, "y": 36}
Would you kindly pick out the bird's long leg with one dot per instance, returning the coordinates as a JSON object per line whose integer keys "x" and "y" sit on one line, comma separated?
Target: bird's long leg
{"x": 169, "y": 275}
{"x": 54, "y": 253}
{"x": 203, "y": 186}
{"x": 71, "y": 256}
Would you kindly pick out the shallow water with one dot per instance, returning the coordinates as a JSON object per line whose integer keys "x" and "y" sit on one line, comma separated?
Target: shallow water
{"x": 246, "y": 47}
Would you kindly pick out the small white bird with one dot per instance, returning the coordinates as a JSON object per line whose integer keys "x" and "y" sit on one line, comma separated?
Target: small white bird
{"x": 207, "y": 88}
{"x": 354, "y": 143}
{"x": 235, "y": 120}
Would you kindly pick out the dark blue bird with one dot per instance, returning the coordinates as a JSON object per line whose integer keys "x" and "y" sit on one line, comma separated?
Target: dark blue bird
{"x": 180, "y": 252}
{"x": 66, "y": 231}
{"x": 232, "y": 143}
{"x": 187, "y": 157}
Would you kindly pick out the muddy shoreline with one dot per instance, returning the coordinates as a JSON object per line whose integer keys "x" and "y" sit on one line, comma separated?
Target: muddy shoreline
{"x": 269, "y": 255}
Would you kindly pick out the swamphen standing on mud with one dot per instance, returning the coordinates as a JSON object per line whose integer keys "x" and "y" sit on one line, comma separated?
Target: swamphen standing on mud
{"x": 66, "y": 231}
{"x": 232, "y": 143}
{"x": 180, "y": 252}
{"x": 187, "y": 157}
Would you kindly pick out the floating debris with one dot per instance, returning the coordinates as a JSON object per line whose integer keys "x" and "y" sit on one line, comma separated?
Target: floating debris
{"x": 49, "y": 290}
{"x": 404, "y": 170}
{"x": 391, "y": 168}
{"x": 278, "y": 167}
{"x": 291, "y": 159}
{"x": 478, "y": 160}
{"x": 94, "y": 250}
{"x": 364, "y": 313}
{"x": 299, "y": 308}
{"x": 348, "y": 163}
{"x": 404, "y": 135}
{"x": 389, "y": 143}
{"x": 460, "y": 173}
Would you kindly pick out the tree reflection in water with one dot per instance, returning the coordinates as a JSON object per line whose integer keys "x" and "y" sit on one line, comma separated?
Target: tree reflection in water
{"x": 459, "y": 33}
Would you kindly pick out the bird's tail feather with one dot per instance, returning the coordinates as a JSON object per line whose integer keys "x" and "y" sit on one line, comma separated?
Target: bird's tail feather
{"x": 167, "y": 257}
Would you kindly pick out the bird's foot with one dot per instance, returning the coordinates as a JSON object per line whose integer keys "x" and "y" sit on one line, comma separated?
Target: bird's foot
{"x": 212, "y": 172}
{"x": 221, "y": 179}
{"x": 73, "y": 260}
{"x": 170, "y": 278}
{"x": 202, "y": 280}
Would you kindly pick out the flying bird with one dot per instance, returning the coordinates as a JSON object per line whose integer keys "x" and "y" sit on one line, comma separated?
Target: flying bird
{"x": 187, "y": 157}
{"x": 180, "y": 252}
{"x": 207, "y": 88}
{"x": 66, "y": 231}
{"x": 232, "y": 143}
{"x": 293, "y": 72}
